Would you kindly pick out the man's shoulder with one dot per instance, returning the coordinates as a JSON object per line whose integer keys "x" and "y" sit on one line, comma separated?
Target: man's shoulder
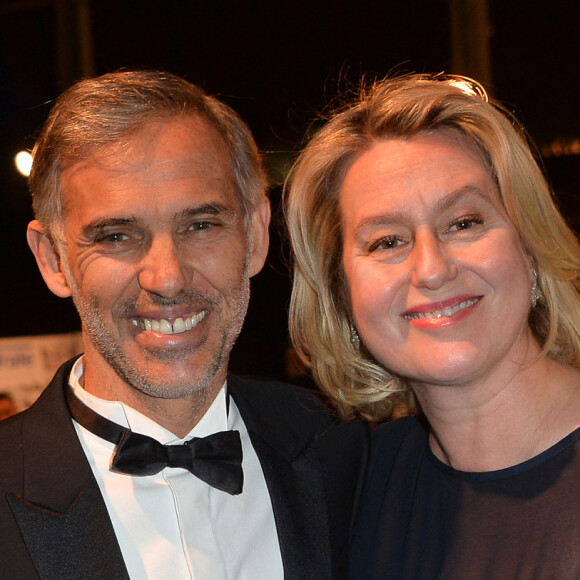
{"x": 11, "y": 451}
{"x": 10, "y": 430}
{"x": 44, "y": 422}
{"x": 278, "y": 393}
{"x": 278, "y": 403}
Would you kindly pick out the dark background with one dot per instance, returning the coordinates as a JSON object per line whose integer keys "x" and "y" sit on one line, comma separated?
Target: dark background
{"x": 278, "y": 63}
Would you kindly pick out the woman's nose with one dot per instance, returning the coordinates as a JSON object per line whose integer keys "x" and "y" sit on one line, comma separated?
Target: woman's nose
{"x": 432, "y": 262}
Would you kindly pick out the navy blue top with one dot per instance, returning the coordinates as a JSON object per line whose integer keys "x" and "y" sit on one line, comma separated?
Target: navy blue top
{"x": 421, "y": 519}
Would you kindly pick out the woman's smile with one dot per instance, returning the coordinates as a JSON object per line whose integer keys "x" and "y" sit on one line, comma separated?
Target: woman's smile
{"x": 444, "y": 312}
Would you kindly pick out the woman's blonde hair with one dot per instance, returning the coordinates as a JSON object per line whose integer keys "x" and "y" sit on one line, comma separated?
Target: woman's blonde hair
{"x": 402, "y": 108}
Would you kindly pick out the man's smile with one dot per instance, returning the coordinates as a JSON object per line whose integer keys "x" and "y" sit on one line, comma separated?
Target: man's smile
{"x": 164, "y": 326}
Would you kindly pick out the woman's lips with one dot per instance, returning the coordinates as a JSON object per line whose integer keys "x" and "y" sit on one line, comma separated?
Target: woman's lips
{"x": 437, "y": 311}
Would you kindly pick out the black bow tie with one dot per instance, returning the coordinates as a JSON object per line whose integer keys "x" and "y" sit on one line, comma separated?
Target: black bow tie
{"x": 216, "y": 459}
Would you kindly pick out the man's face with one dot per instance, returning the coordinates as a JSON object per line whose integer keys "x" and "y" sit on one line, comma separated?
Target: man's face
{"x": 158, "y": 259}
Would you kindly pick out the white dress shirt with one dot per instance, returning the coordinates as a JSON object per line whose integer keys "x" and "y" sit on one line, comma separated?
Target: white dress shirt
{"x": 173, "y": 525}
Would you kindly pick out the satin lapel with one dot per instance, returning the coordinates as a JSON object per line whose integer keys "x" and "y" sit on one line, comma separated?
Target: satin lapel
{"x": 284, "y": 445}
{"x": 61, "y": 513}
{"x": 299, "y": 506}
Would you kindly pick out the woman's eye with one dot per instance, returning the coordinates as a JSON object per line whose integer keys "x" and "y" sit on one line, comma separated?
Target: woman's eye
{"x": 386, "y": 243}
{"x": 465, "y": 223}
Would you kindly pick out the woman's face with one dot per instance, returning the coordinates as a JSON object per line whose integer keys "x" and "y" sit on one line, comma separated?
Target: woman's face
{"x": 438, "y": 279}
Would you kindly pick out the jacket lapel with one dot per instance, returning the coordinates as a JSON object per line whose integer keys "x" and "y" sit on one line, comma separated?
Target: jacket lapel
{"x": 287, "y": 453}
{"x": 61, "y": 513}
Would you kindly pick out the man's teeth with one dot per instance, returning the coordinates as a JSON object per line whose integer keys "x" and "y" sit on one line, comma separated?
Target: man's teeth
{"x": 450, "y": 311}
{"x": 163, "y": 326}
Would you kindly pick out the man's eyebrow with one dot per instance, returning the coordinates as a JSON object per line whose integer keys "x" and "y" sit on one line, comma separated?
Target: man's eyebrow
{"x": 211, "y": 208}
{"x": 99, "y": 225}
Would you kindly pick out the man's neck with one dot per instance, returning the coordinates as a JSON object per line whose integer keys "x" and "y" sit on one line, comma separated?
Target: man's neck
{"x": 178, "y": 415}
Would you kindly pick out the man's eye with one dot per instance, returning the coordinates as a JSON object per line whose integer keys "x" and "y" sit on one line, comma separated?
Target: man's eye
{"x": 201, "y": 226}
{"x": 114, "y": 238}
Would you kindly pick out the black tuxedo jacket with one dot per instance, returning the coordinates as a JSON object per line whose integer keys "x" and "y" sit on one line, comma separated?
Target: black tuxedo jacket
{"x": 53, "y": 519}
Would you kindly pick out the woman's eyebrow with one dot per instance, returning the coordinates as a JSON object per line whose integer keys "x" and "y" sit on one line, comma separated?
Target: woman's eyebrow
{"x": 442, "y": 203}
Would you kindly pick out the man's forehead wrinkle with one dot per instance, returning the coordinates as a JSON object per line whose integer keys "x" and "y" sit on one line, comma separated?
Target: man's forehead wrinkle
{"x": 146, "y": 174}
{"x": 138, "y": 150}
{"x": 144, "y": 163}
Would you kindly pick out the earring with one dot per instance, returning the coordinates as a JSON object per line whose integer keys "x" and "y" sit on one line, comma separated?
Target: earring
{"x": 536, "y": 292}
{"x": 354, "y": 337}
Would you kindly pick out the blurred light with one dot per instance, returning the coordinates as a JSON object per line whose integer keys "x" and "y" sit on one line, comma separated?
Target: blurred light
{"x": 561, "y": 147}
{"x": 23, "y": 162}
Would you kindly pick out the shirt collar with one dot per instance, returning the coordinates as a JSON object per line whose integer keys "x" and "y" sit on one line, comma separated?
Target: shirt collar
{"x": 215, "y": 419}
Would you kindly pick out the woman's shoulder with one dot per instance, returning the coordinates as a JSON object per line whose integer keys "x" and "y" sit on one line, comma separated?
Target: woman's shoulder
{"x": 403, "y": 440}
{"x": 394, "y": 433}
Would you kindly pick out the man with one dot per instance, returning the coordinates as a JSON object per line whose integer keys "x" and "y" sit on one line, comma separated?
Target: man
{"x": 151, "y": 213}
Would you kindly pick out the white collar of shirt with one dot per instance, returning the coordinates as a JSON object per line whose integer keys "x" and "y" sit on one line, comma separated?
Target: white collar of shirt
{"x": 215, "y": 419}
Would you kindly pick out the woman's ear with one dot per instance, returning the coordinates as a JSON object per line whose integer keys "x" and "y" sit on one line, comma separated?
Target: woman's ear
{"x": 260, "y": 236}
{"x": 48, "y": 259}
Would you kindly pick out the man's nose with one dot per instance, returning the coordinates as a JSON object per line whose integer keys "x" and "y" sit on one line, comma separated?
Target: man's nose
{"x": 164, "y": 270}
{"x": 432, "y": 262}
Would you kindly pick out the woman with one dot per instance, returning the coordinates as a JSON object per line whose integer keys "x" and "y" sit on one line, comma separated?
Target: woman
{"x": 432, "y": 262}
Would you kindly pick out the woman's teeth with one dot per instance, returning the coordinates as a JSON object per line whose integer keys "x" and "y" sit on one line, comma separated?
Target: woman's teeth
{"x": 450, "y": 311}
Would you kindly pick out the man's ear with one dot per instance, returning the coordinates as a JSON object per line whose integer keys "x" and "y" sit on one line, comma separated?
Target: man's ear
{"x": 48, "y": 259}
{"x": 259, "y": 236}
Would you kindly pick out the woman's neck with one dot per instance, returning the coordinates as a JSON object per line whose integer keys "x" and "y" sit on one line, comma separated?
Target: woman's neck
{"x": 489, "y": 427}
